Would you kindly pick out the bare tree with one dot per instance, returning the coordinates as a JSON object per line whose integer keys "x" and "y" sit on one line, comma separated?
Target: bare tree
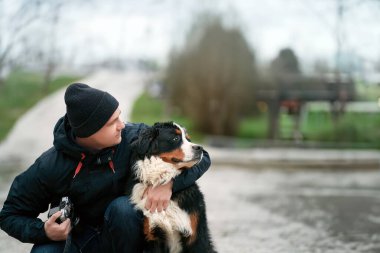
{"x": 51, "y": 54}
{"x": 12, "y": 26}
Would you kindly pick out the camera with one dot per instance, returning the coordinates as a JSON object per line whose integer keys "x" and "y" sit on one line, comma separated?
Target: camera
{"x": 67, "y": 211}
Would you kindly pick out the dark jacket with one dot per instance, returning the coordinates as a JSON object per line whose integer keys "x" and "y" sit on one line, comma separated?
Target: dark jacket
{"x": 92, "y": 189}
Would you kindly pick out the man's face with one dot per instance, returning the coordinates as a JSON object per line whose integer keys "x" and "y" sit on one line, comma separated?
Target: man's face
{"x": 110, "y": 134}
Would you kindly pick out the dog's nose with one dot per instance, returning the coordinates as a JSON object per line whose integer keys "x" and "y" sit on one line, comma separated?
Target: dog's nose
{"x": 197, "y": 148}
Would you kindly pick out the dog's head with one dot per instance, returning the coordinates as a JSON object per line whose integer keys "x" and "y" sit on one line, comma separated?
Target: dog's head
{"x": 170, "y": 142}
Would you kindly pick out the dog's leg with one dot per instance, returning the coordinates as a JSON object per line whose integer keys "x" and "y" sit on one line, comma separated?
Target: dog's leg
{"x": 180, "y": 219}
{"x": 158, "y": 229}
{"x": 194, "y": 219}
{"x": 174, "y": 242}
{"x": 200, "y": 240}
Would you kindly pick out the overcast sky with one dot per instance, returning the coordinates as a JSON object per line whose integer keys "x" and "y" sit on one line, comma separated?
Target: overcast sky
{"x": 150, "y": 28}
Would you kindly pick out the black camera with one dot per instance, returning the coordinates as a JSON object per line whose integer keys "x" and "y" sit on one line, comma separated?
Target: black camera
{"x": 67, "y": 211}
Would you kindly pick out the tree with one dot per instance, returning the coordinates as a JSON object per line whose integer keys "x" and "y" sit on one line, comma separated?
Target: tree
{"x": 12, "y": 27}
{"x": 211, "y": 79}
{"x": 51, "y": 55}
{"x": 286, "y": 62}
{"x": 286, "y": 75}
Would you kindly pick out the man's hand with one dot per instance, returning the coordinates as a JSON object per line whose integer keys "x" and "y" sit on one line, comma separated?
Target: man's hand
{"x": 158, "y": 197}
{"x": 55, "y": 231}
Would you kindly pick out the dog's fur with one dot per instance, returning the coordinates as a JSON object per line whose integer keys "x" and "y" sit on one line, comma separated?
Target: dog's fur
{"x": 161, "y": 152}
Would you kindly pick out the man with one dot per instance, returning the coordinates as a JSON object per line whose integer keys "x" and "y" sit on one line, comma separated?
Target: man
{"x": 90, "y": 163}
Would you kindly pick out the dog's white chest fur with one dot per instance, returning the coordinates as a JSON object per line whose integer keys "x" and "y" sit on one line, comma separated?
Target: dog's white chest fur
{"x": 174, "y": 221}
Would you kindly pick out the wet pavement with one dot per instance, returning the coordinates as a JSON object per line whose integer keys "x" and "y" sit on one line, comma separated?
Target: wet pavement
{"x": 277, "y": 211}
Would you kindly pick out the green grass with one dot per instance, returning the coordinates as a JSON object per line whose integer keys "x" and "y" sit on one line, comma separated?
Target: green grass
{"x": 20, "y": 92}
{"x": 253, "y": 128}
{"x": 360, "y": 128}
{"x": 150, "y": 110}
{"x": 354, "y": 130}
{"x": 147, "y": 110}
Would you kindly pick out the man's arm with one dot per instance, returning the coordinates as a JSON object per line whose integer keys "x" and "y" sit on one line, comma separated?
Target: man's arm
{"x": 158, "y": 197}
{"x": 27, "y": 198}
{"x": 189, "y": 176}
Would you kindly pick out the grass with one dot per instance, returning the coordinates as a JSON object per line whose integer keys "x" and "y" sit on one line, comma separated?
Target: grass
{"x": 361, "y": 129}
{"x": 354, "y": 130}
{"x": 253, "y": 128}
{"x": 149, "y": 110}
{"x": 20, "y": 92}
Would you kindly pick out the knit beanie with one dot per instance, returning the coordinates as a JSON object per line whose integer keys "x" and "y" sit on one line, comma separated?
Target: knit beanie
{"x": 88, "y": 109}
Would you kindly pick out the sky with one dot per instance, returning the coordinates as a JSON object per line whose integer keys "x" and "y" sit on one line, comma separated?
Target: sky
{"x": 94, "y": 30}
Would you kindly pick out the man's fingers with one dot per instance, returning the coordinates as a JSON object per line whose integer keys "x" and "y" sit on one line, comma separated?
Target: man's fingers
{"x": 55, "y": 231}
{"x": 153, "y": 207}
{"x": 54, "y": 217}
{"x": 159, "y": 206}
{"x": 165, "y": 204}
{"x": 67, "y": 225}
{"x": 148, "y": 204}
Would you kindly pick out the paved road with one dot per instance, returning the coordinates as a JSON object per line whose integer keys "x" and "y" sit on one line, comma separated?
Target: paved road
{"x": 294, "y": 211}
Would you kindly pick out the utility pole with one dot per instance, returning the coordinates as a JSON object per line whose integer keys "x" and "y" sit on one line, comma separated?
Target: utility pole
{"x": 337, "y": 106}
{"x": 339, "y": 33}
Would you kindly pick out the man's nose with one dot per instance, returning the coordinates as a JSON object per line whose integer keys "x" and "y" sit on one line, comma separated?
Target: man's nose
{"x": 121, "y": 125}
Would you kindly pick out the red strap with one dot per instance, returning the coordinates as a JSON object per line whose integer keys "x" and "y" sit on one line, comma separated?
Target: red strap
{"x": 111, "y": 162}
{"x": 79, "y": 166}
{"x": 111, "y": 166}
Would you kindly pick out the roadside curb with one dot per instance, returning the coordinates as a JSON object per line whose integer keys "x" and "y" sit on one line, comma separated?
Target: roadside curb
{"x": 292, "y": 158}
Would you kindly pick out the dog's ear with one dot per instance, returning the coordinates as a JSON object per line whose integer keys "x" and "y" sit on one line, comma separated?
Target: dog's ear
{"x": 145, "y": 143}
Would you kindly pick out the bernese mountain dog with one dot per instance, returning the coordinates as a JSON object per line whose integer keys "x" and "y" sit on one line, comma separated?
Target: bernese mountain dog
{"x": 161, "y": 152}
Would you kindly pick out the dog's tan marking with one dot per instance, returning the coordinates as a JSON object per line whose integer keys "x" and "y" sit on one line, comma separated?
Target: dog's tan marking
{"x": 194, "y": 224}
{"x": 168, "y": 156}
{"x": 178, "y": 131}
{"x": 147, "y": 231}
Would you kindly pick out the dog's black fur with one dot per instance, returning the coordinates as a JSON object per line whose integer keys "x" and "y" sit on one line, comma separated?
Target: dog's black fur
{"x": 154, "y": 141}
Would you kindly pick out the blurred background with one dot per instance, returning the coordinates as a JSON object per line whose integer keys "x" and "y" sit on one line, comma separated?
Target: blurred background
{"x": 271, "y": 73}
{"x": 288, "y": 88}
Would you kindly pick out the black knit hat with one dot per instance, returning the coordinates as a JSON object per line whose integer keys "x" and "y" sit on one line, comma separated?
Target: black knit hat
{"x": 88, "y": 109}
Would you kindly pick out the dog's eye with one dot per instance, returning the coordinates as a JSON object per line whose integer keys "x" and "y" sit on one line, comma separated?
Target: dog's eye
{"x": 176, "y": 138}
